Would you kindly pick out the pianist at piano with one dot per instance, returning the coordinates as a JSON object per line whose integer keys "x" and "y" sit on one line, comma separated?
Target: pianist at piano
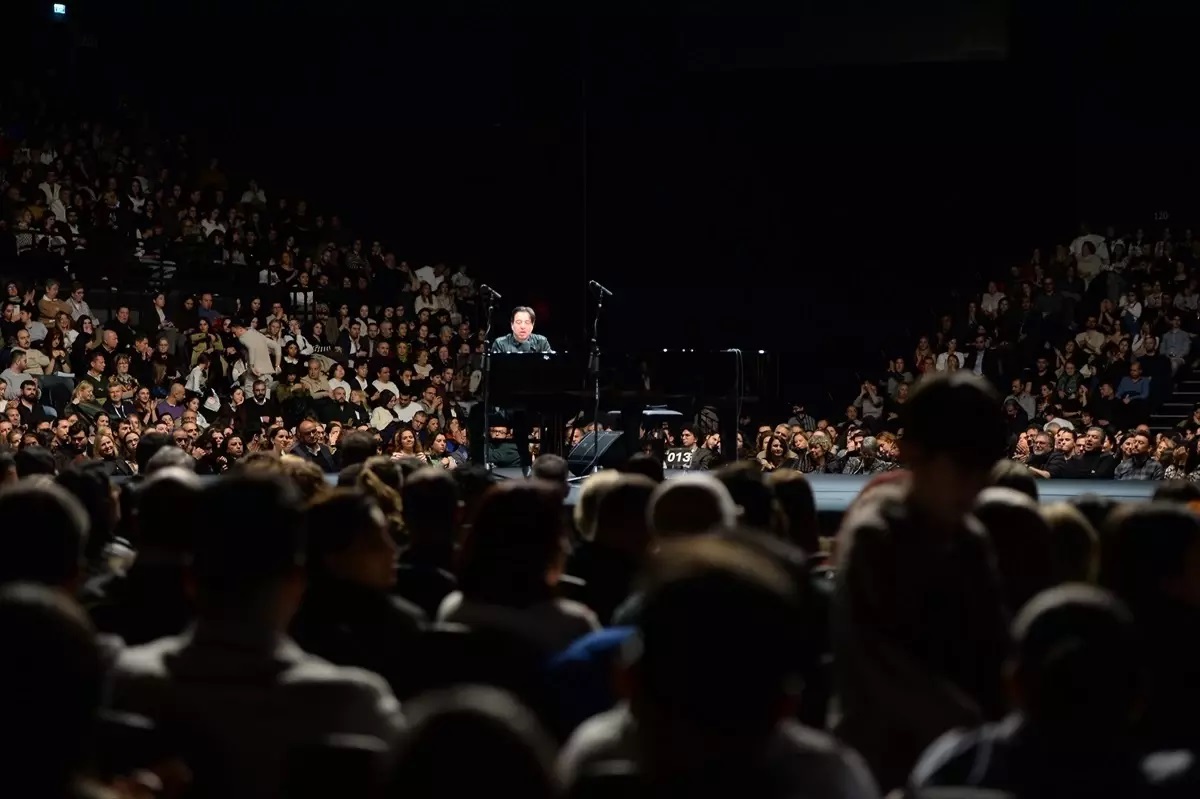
{"x": 522, "y": 338}
{"x": 521, "y": 341}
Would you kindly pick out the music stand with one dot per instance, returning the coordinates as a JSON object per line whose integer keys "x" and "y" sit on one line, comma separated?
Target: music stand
{"x": 592, "y": 450}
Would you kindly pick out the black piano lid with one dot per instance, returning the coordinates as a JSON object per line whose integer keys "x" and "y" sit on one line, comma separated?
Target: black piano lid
{"x": 701, "y": 374}
{"x": 524, "y": 373}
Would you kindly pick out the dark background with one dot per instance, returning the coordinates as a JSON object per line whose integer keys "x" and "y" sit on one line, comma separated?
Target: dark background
{"x": 813, "y": 183}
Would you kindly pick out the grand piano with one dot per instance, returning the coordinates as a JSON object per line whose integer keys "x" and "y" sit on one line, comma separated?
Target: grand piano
{"x": 558, "y": 385}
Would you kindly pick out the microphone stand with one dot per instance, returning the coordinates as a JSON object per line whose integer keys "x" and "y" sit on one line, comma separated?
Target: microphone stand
{"x": 487, "y": 373}
{"x": 594, "y": 366}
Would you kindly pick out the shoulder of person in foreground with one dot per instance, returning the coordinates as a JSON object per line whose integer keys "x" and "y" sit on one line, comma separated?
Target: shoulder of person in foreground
{"x": 142, "y": 679}
{"x": 357, "y": 695}
{"x": 819, "y": 757}
{"x": 954, "y": 758}
{"x": 801, "y": 756}
{"x": 868, "y": 522}
{"x": 603, "y": 738}
{"x": 577, "y": 610}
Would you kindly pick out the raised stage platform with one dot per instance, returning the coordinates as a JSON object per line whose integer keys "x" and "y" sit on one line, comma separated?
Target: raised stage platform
{"x": 835, "y": 492}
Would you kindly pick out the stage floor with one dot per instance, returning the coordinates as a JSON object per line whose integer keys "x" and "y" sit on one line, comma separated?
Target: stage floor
{"x": 835, "y": 492}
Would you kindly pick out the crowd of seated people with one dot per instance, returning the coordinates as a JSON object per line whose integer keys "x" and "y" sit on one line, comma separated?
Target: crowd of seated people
{"x": 225, "y": 387}
{"x": 1085, "y": 346}
{"x": 308, "y": 323}
{"x": 75, "y": 189}
{"x": 302, "y": 321}
{"x": 417, "y": 631}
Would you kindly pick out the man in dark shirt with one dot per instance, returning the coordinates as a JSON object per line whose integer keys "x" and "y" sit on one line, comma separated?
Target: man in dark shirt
{"x": 702, "y": 457}
{"x": 116, "y": 407}
{"x": 1046, "y": 462}
{"x": 341, "y": 411}
{"x": 141, "y": 361}
{"x": 30, "y": 407}
{"x": 126, "y": 335}
{"x": 308, "y": 446}
{"x": 1092, "y": 463}
{"x": 522, "y": 338}
{"x": 1141, "y": 463}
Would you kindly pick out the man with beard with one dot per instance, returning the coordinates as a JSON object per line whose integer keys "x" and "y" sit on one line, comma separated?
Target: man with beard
{"x": 1045, "y": 461}
{"x": 74, "y": 449}
{"x": 1091, "y": 462}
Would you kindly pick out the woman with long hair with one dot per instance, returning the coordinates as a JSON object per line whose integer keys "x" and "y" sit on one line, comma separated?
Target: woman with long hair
{"x": 104, "y": 449}
{"x": 381, "y": 478}
{"x": 83, "y": 402}
{"x": 437, "y": 454}
{"x": 319, "y": 341}
{"x": 923, "y": 351}
{"x": 445, "y": 300}
{"x": 1107, "y": 322}
{"x": 187, "y": 318}
{"x": 89, "y": 338}
{"x": 333, "y": 434}
{"x": 66, "y": 325}
{"x": 407, "y": 445}
{"x": 775, "y": 453}
{"x": 143, "y": 405}
{"x": 54, "y": 347}
{"x": 277, "y": 442}
{"x": 432, "y": 428}
{"x": 129, "y": 445}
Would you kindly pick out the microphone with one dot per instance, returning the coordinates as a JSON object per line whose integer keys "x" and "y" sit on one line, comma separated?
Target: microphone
{"x": 485, "y": 288}
{"x": 593, "y": 284}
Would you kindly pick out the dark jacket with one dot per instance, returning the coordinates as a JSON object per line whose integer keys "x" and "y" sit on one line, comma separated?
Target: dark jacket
{"x": 352, "y": 625}
{"x": 1091, "y": 466}
{"x": 323, "y": 457}
{"x": 1053, "y": 462}
{"x": 509, "y": 343}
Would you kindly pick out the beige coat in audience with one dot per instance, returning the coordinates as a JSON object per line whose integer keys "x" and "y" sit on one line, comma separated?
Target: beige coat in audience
{"x": 36, "y": 362}
{"x": 262, "y": 353}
